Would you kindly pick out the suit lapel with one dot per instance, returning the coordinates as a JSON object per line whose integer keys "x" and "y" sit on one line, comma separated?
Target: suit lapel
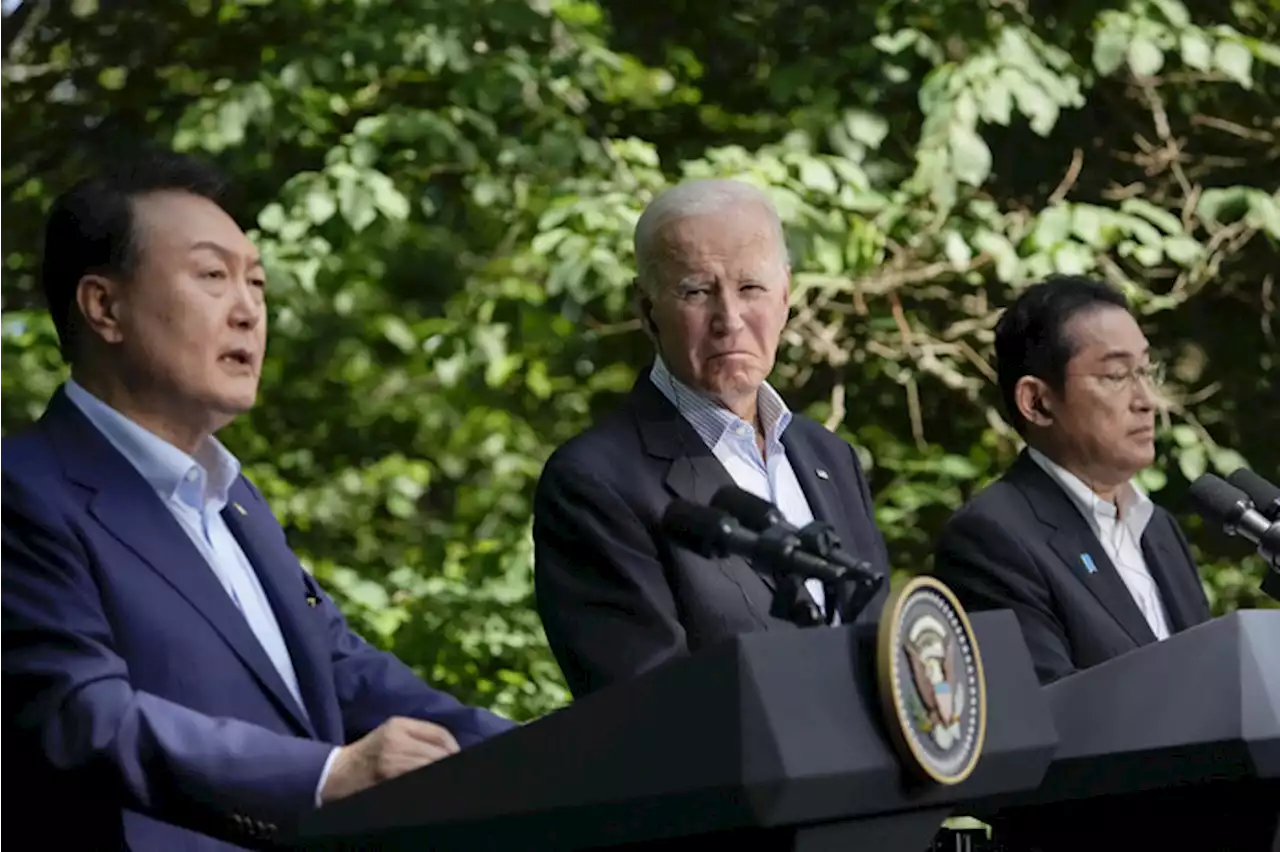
{"x": 819, "y": 490}
{"x": 279, "y": 571}
{"x": 128, "y": 508}
{"x": 1075, "y": 542}
{"x": 1168, "y": 565}
{"x": 694, "y": 474}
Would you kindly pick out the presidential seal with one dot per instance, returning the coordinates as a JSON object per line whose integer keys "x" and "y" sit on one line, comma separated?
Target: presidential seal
{"x": 931, "y": 684}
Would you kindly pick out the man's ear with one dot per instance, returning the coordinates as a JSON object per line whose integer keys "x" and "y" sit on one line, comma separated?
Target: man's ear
{"x": 644, "y": 309}
{"x": 1031, "y": 395}
{"x": 98, "y": 299}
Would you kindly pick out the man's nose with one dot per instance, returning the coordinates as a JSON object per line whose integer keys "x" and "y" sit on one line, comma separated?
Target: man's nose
{"x": 248, "y": 309}
{"x": 728, "y": 316}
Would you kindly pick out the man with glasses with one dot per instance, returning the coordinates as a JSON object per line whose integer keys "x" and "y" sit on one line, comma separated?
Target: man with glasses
{"x": 1066, "y": 539}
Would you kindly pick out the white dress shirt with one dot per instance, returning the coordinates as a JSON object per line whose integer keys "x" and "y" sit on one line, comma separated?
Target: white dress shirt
{"x": 732, "y": 441}
{"x": 1119, "y": 527}
{"x": 195, "y": 490}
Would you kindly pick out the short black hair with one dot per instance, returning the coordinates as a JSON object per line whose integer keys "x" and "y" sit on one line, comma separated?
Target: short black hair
{"x": 1031, "y": 337}
{"x": 91, "y": 228}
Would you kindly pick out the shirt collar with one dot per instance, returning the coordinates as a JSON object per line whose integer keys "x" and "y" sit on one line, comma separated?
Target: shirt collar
{"x": 710, "y": 419}
{"x": 202, "y": 481}
{"x": 1135, "y": 507}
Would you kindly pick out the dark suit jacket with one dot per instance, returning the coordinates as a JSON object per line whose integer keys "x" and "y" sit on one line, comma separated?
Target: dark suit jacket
{"x": 615, "y": 598}
{"x": 143, "y": 711}
{"x": 1018, "y": 545}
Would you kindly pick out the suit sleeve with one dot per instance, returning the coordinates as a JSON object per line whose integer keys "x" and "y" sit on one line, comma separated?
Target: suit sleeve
{"x": 601, "y": 587}
{"x": 68, "y": 693}
{"x": 988, "y": 569}
{"x": 373, "y": 685}
{"x": 872, "y": 611}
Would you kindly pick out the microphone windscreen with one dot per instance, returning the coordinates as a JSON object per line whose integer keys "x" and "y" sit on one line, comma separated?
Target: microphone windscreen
{"x": 751, "y": 511}
{"x": 1263, "y": 494}
{"x": 1218, "y": 500}
{"x": 702, "y": 529}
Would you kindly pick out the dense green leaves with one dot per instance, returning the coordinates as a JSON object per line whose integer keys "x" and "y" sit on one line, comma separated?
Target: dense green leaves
{"x": 445, "y": 200}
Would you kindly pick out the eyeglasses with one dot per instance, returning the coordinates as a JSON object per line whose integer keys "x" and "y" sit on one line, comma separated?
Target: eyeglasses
{"x": 1117, "y": 380}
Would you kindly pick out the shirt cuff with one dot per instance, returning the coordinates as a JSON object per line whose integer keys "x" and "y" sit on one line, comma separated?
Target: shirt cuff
{"x": 324, "y": 774}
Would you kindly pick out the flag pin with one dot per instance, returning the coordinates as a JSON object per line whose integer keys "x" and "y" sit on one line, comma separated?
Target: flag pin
{"x": 1088, "y": 563}
{"x": 822, "y": 474}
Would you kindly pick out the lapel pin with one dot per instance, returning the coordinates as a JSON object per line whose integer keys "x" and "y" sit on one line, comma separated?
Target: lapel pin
{"x": 240, "y": 508}
{"x": 822, "y": 474}
{"x": 1088, "y": 563}
{"x": 312, "y": 601}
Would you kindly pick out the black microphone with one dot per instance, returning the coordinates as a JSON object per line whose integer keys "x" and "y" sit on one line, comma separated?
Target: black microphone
{"x": 817, "y": 538}
{"x": 713, "y": 534}
{"x": 1221, "y": 502}
{"x": 1265, "y": 496}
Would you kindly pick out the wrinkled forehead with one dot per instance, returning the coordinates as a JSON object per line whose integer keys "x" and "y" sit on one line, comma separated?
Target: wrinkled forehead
{"x": 742, "y": 242}
{"x": 1105, "y": 334}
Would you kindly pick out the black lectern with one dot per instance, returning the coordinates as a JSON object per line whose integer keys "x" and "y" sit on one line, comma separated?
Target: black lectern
{"x": 770, "y": 741}
{"x": 1175, "y": 746}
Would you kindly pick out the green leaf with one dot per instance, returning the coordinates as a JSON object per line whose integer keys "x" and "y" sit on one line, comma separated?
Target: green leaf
{"x": 1174, "y": 12}
{"x": 1109, "y": 49}
{"x": 1153, "y": 214}
{"x": 1184, "y": 435}
{"x": 818, "y": 176}
{"x": 1152, "y": 479}
{"x": 320, "y": 204}
{"x": 1193, "y": 461}
{"x": 1264, "y": 213}
{"x": 1197, "y": 52}
{"x": 1234, "y": 60}
{"x": 1145, "y": 58}
{"x": 1227, "y": 461}
{"x": 970, "y": 156}
{"x": 1183, "y": 250}
{"x": 398, "y": 333}
{"x": 1072, "y": 259}
{"x": 957, "y": 250}
{"x": 866, "y": 127}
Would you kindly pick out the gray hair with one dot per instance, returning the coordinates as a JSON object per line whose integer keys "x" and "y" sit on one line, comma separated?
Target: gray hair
{"x": 694, "y": 198}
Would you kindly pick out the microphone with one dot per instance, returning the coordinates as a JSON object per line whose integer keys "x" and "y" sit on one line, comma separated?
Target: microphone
{"x": 817, "y": 538}
{"x": 713, "y": 534}
{"x": 1265, "y": 496}
{"x": 1221, "y": 502}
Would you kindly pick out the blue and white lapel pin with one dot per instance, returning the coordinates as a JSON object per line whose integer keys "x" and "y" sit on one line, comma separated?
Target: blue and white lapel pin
{"x": 1088, "y": 563}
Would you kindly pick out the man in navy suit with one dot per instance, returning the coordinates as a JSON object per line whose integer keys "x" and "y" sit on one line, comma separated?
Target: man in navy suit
{"x": 173, "y": 678}
{"x": 617, "y": 599}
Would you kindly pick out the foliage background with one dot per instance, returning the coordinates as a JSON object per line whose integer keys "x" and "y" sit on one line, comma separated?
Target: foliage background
{"x": 445, "y": 190}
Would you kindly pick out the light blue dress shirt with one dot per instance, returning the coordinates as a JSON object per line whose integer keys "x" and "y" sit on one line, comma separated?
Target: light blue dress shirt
{"x": 195, "y": 490}
{"x": 732, "y": 441}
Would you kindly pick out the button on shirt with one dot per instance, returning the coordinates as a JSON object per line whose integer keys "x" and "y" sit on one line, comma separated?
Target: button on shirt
{"x": 195, "y": 491}
{"x": 732, "y": 441}
{"x": 1119, "y": 527}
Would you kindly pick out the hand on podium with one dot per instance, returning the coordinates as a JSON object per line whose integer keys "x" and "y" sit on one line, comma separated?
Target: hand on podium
{"x": 397, "y": 746}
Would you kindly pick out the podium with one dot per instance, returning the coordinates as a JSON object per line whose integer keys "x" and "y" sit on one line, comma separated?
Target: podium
{"x": 769, "y": 741}
{"x": 1174, "y": 746}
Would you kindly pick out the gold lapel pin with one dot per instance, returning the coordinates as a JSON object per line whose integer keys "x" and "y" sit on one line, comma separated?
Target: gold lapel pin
{"x": 822, "y": 474}
{"x": 240, "y": 508}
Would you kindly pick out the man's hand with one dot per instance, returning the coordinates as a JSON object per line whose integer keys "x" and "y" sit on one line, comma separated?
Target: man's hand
{"x": 397, "y": 746}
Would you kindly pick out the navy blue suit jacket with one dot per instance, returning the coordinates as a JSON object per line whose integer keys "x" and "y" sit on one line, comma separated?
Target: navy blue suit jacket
{"x": 140, "y": 711}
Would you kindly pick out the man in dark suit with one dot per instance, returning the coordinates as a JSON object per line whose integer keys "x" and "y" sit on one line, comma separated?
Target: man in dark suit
{"x": 616, "y": 598}
{"x": 173, "y": 678}
{"x": 1065, "y": 539}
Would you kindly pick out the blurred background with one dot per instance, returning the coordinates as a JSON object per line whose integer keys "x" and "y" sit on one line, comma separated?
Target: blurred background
{"x": 445, "y": 190}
